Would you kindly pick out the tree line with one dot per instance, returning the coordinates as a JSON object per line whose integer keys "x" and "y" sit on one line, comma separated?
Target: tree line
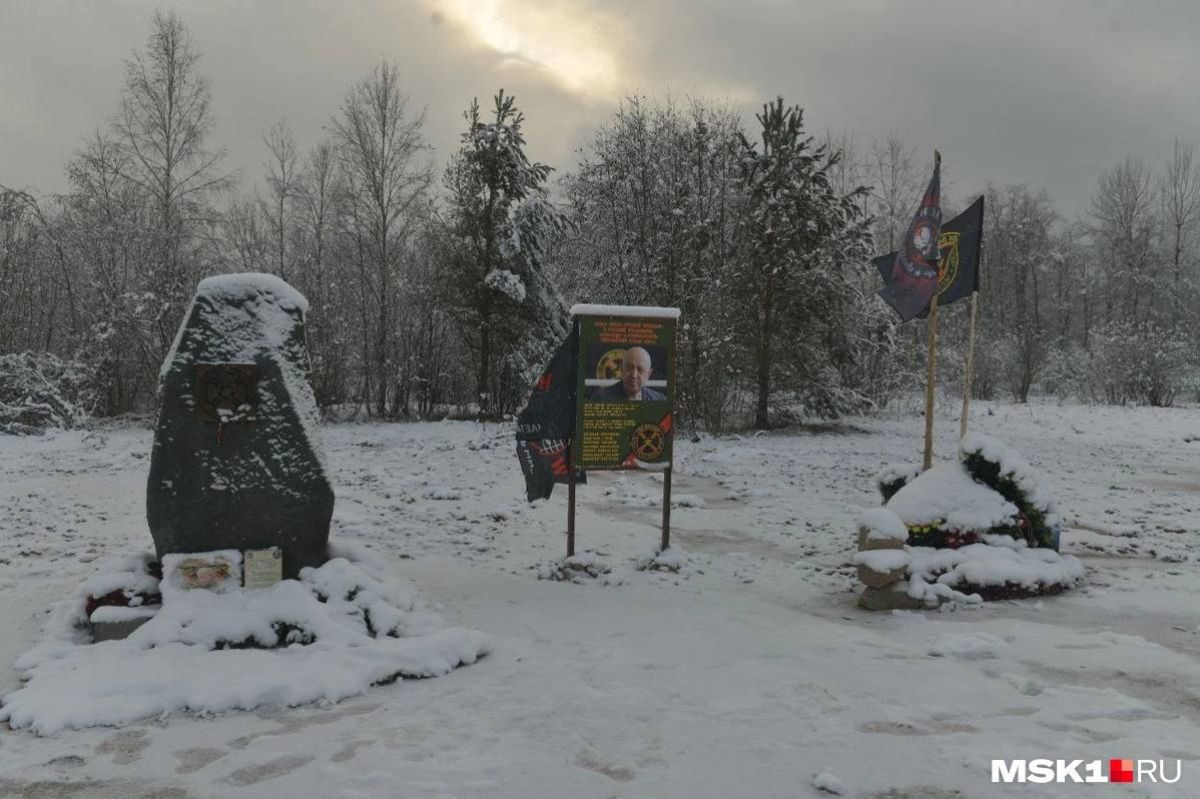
{"x": 444, "y": 291}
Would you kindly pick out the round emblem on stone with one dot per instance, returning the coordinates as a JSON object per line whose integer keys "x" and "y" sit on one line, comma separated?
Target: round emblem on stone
{"x": 226, "y": 392}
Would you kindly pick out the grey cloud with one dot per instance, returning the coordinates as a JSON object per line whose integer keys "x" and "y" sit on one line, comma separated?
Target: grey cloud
{"x": 1043, "y": 93}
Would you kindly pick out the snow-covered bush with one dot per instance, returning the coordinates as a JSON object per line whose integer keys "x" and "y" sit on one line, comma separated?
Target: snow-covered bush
{"x": 40, "y": 390}
{"x": 1066, "y": 371}
{"x": 1142, "y": 363}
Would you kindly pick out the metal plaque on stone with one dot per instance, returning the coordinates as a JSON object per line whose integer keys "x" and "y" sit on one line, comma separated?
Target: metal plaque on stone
{"x": 213, "y": 573}
{"x": 226, "y": 392}
{"x": 262, "y": 568}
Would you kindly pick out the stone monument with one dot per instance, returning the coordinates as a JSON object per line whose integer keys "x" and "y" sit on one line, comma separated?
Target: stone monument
{"x": 236, "y": 463}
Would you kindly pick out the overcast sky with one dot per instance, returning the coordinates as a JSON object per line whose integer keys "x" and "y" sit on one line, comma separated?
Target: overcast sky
{"x": 1043, "y": 92}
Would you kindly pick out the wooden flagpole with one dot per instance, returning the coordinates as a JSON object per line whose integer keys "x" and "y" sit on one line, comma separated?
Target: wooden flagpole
{"x": 931, "y": 355}
{"x": 970, "y": 365}
{"x": 930, "y": 376}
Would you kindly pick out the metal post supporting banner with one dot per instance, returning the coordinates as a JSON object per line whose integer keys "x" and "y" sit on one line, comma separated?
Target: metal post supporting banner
{"x": 571, "y": 510}
{"x": 666, "y": 525}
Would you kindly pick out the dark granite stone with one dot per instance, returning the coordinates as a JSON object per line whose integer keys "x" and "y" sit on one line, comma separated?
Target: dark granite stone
{"x": 236, "y": 461}
{"x": 114, "y": 630}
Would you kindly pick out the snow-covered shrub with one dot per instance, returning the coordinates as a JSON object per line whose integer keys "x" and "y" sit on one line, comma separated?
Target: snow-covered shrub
{"x": 1143, "y": 363}
{"x": 1065, "y": 373}
{"x": 988, "y": 367}
{"x": 40, "y": 390}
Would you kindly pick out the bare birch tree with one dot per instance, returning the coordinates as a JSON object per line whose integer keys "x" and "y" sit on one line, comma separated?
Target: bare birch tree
{"x": 382, "y": 154}
{"x": 282, "y": 179}
{"x": 163, "y": 122}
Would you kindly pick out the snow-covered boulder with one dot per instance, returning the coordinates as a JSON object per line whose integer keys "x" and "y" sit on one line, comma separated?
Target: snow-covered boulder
{"x": 890, "y": 597}
{"x": 882, "y": 567}
{"x": 880, "y": 528}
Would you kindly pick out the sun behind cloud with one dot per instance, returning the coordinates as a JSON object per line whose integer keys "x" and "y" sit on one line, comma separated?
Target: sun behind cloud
{"x": 574, "y": 44}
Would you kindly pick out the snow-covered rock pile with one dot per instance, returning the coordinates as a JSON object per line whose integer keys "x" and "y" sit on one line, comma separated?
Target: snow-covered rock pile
{"x": 581, "y": 569}
{"x": 338, "y": 630}
{"x": 975, "y": 529}
{"x": 883, "y": 561}
{"x": 671, "y": 560}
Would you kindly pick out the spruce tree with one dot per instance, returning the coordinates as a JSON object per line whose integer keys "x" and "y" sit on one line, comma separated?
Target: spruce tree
{"x": 501, "y": 224}
{"x": 798, "y": 235}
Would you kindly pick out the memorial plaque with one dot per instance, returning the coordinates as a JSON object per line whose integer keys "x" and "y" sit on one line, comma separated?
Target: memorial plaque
{"x": 262, "y": 568}
{"x": 213, "y": 571}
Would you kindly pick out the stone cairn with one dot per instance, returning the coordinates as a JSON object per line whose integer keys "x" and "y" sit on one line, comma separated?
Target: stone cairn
{"x": 883, "y": 562}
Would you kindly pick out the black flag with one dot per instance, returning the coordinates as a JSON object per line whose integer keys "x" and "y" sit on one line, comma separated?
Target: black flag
{"x": 546, "y": 425}
{"x": 915, "y": 270}
{"x": 958, "y": 257}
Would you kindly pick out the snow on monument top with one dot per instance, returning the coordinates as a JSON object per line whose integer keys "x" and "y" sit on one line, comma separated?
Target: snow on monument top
{"x": 247, "y": 284}
{"x": 246, "y": 315}
{"x": 585, "y": 309}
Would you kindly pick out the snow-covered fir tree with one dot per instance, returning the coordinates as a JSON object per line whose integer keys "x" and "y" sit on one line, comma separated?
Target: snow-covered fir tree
{"x": 791, "y": 295}
{"x": 500, "y": 225}
{"x": 655, "y": 201}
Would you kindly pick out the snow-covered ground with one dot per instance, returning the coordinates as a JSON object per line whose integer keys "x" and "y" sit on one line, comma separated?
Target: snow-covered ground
{"x": 736, "y": 666}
